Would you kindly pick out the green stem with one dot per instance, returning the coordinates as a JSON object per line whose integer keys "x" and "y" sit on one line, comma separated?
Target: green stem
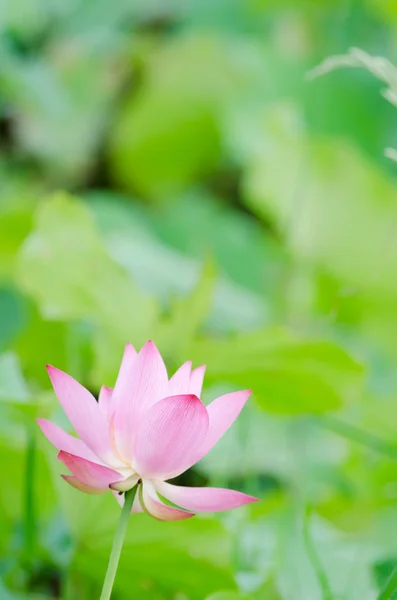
{"x": 390, "y": 586}
{"x": 118, "y": 543}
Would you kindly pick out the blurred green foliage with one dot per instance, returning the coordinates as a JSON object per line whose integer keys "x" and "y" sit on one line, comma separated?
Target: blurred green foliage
{"x": 168, "y": 172}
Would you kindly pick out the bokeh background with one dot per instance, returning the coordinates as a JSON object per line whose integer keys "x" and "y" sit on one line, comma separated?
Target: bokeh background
{"x": 167, "y": 171}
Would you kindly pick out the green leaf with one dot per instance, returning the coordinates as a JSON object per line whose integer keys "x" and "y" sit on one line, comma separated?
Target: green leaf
{"x": 332, "y": 203}
{"x": 386, "y": 576}
{"x": 227, "y": 596}
{"x": 287, "y": 374}
{"x": 199, "y": 224}
{"x": 51, "y": 349}
{"x": 187, "y": 315}
{"x": 160, "y": 155}
{"x": 12, "y": 384}
{"x": 142, "y": 241}
{"x": 60, "y": 100}
{"x": 65, "y": 268}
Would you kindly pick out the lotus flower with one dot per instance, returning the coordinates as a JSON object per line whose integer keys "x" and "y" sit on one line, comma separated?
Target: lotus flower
{"x": 146, "y": 430}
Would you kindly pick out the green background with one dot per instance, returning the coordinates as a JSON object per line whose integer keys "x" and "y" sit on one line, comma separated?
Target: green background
{"x": 168, "y": 172}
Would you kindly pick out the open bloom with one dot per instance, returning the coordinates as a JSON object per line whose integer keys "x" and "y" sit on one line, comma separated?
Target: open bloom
{"x": 148, "y": 429}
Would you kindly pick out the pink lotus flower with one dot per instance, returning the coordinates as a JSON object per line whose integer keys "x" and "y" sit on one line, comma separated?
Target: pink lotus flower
{"x": 148, "y": 429}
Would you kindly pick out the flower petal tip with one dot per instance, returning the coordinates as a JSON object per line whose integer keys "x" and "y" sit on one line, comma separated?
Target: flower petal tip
{"x": 151, "y": 346}
{"x": 251, "y": 499}
{"x": 64, "y": 456}
{"x": 51, "y": 370}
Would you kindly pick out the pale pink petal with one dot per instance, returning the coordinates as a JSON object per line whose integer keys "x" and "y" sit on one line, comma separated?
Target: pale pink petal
{"x": 222, "y": 413}
{"x": 143, "y": 382}
{"x": 68, "y": 443}
{"x": 123, "y": 382}
{"x": 203, "y": 499}
{"x": 157, "y": 509}
{"x": 169, "y": 436}
{"x": 83, "y": 412}
{"x": 88, "y": 472}
{"x": 136, "y": 506}
{"x": 74, "y": 482}
{"x": 105, "y": 399}
{"x": 196, "y": 381}
{"x": 125, "y": 484}
{"x": 180, "y": 381}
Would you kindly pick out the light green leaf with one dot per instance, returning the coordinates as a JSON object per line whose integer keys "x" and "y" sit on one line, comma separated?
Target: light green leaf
{"x": 335, "y": 208}
{"x": 131, "y": 234}
{"x": 169, "y": 133}
{"x": 60, "y": 100}
{"x": 12, "y": 383}
{"x": 287, "y": 374}
{"x": 227, "y": 596}
{"x": 64, "y": 266}
{"x": 187, "y": 315}
{"x": 378, "y": 66}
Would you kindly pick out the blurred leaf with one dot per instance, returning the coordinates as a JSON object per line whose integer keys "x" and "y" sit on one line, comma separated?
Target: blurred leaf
{"x": 42, "y": 342}
{"x": 332, "y": 203}
{"x": 386, "y": 580}
{"x": 59, "y": 102}
{"x": 12, "y": 383}
{"x": 129, "y": 233}
{"x": 17, "y": 203}
{"x": 167, "y": 134}
{"x": 6, "y": 594}
{"x": 245, "y": 252}
{"x": 287, "y": 374}
{"x": 187, "y": 315}
{"x": 13, "y": 315}
{"x": 268, "y": 591}
{"x": 378, "y": 66}
{"x": 64, "y": 266}
{"x": 227, "y": 596}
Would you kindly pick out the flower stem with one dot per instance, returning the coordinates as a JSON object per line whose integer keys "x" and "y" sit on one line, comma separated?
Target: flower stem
{"x": 118, "y": 543}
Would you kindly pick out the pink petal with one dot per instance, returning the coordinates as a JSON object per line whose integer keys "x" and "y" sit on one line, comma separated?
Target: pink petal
{"x": 136, "y": 507}
{"x": 89, "y": 473}
{"x": 196, "y": 381}
{"x": 203, "y": 499}
{"x": 169, "y": 436}
{"x": 180, "y": 381}
{"x": 141, "y": 383}
{"x": 74, "y": 482}
{"x": 157, "y": 509}
{"x": 123, "y": 382}
{"x": 125, "y": 484}
{"x": 68, "y": 443}
{"x": 83, "y": 412}
{"x": 222, "y": 413}
{"x": 105, "y": 399}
